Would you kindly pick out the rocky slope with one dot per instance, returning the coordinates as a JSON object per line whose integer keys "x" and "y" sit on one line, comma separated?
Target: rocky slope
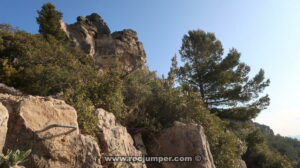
{"x": 93, "y": 36}
{"x": 49, "y": 128}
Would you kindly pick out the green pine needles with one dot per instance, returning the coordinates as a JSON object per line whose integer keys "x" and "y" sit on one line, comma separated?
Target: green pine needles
{"x": 222, "y": 81}
{"x": 49, "y": 20}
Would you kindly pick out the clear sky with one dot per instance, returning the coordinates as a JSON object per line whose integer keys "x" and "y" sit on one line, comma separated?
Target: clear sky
{"x": 267, "y": 33}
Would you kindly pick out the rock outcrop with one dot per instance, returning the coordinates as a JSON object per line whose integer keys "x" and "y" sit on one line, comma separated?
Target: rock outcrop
{"x": 49, "y": 128}
{"x": 184, "y": 140}
{"x": 94, "y": 37}
{"x": 116, "y": 141}
{"x": 61, "y": 146}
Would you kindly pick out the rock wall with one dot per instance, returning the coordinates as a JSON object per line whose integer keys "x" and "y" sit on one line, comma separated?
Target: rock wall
{"x": 93, "y": 36}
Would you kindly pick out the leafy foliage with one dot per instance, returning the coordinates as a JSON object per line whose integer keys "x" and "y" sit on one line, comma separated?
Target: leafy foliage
{"x": 13, "y": 159}
{"x": 224, "y": 83}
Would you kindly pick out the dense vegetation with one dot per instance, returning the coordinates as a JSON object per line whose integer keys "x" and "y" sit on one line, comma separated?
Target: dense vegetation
{"x": 286, "y": 146}
{"x": 46, "y": 64}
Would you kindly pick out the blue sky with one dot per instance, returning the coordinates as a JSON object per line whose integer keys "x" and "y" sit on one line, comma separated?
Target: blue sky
{"x": 267, "y": 33}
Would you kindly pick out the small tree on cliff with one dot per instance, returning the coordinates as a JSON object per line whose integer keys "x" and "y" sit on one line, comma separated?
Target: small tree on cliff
{"x": 49, "y": 21}
{"x": 224, "y": 83}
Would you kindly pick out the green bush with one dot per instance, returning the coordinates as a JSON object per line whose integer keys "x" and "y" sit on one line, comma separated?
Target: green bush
{"x": 13, "y": 159}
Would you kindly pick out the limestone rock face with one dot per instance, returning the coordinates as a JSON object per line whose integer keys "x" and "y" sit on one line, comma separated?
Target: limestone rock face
{"x": 93, "y": 36}
{"x": 58, "y": 147}
{"x": 3, "y": 125}
{"x": 184, "y": 140}
{"x": 116, "y": 141}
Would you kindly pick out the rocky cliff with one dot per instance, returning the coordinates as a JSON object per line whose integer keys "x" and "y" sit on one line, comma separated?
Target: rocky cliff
{"x": 49, "y": 128}
{"x": 94, "y": 37}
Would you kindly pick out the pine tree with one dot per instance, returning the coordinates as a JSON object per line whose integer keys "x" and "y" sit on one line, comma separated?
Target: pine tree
{"x": 172, "y": 72}
{"x": 224, "y": 83}
{"x": 49, "y": 20}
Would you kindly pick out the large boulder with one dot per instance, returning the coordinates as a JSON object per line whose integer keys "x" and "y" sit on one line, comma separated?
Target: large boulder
{"x": 93, "y": 36}
{"x": 49, "y": 128}
{"x": 184, "y": 140}
{"x": 116, "y": 141}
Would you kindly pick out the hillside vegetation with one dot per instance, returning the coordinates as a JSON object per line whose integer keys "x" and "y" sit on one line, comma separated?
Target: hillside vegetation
{"x": 209, "y": 89}
{"x": 286, "y": 146}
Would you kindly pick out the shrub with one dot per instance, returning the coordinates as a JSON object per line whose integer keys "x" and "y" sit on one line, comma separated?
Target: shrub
{"x": 13, "y": 159}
